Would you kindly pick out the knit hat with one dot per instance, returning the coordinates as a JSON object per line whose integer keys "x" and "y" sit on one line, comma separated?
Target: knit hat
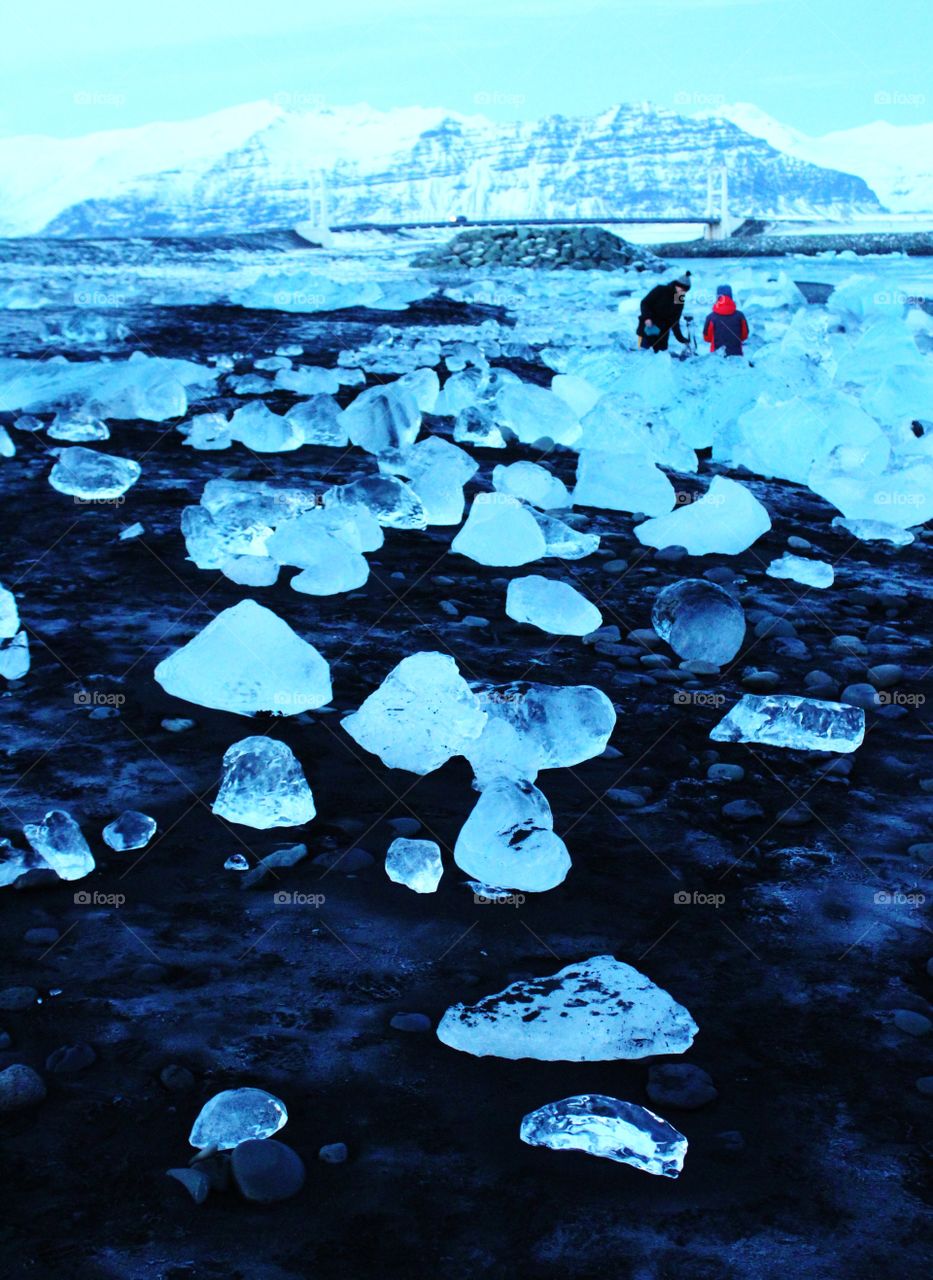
{"x": 724, "y": 291}
{"x": 684, "y": 280}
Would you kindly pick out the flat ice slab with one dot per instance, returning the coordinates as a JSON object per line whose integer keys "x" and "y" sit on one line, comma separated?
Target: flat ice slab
{"x": 726, "y": 520}
{"x": 596, "y": 1010}
{"x": 236, "y": 1115}
{"x": 784, "y": 720}
{"x": 608, "y": 1127}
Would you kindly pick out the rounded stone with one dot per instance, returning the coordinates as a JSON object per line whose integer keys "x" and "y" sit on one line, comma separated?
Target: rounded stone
{"x": 176, "y": 1079}
{"x": 70, "y": 1058}
{"x": 912, "y": 1024}
{"x": 42, "y": 936}
{"x": 725, "y": 773}
{"x": 18, "y": 997}
{"x": 680, "y": 1085}
{"x": 20, "y": 1087}
{"x": 860, "y": 695}
{"x": 411, "y": 1022}
{"x": 761, "y": 681}
{"x": 742, "y": 810}
{"x": 885, "y": 675}
{"x": 266, "y": 1171}
{"x": 333, "y": 1153}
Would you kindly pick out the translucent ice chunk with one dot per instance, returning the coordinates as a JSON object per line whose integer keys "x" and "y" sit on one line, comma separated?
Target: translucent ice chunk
{"x": 393, "y": 503}
{"x": 726, "y": 520}
{"x": 308, "y": 380}
{"x": 508, "y": 840}
{"x": 622, "y": 482}
{"x": 207, "y": 431}
{"x": 812, "y": 573}
{"x": 556, "y": 607}
{"x": 320, "y": 421}
{"x": 902, "y": 496}
{"x": 69, "y": 426}
{"x": 532, "y": 482}
{"x": 594, "y": 1011}
{"x": 604, "y": 1126}
{"x": 415, "y": 863}
{"x": 699, "y": 620}
{"x": 58, "y": 840}
{"x": 132, "y": 830}
{"x": 251, "y": 571}
{"x": 784, "y": 720}
{"x": 874, "y": 531}
{"x": 382, "y": 419}
{"x": 313, "y": 543}
{"x": 263, "y": 786}
{"x": 84, "y": 473}
{"x": 437, "y": 471}
{"x": 563, "y": 542}
{"x": 9, "y": 614}
{"x": 476, "y": 425}
{"x": 247, "y": 660}
{"x": 533, "y": 413}
{"x": 235, "y": 1115}
{"x": 538, "y": 726}
{"x": 264, "y": 431}
{"x": 499, "y": 531}
{"x": 14, "y": 656}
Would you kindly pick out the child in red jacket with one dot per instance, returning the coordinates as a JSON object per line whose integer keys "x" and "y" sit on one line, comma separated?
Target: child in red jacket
{"x": 725, "y": 328}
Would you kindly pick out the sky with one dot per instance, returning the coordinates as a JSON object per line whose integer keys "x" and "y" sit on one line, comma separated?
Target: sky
{"x": 818, "y": 65}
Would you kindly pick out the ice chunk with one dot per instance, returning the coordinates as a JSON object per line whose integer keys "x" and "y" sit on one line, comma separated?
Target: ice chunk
{"x": 9, "y": 614}
{"x": 69, "y": 426}
{"x": 424, "y": 385}
{"x": 499, "y": 531}
{"x": 251, "y": 571}
{"x": 423, "y": 713}
{"x": 320, "y": 421}
{"x": 874, "y": 531}
{"x": 726, "y": 520}
{"x": 7, "y": 447}
{"x": 339, "y": 569}
{"x": 784, "y": 720}
{"x": 556, "y": 607}
{"x": 58, "y": 840}
{"x": 207, "y": 431}
{"x": 508, "y": 840}
{"x": 393, "y": 503}
{"x": 14, "y": 656}
{"x": 615, "y": 426}
{"x": 235, "y": 1116}
{"x": 437, "y": 471}
{"x": 622, "y": 482}
{"x": 534, "y": 414}
{"x": 308, "y": 380}
{"x": 562, "y": 541}
{"x": 263, "y": 786}
{"x": 597, "y": 1010}
{"x": 382, "y": 419}
{"x": 132, "y": 830}
{"x": 532, "y": 482}
{"x": 84, "y": 473}
{"x": 264, "y": 431}
{"x": 141, "y": 387}
{"x": 313, "y": 542}
{"x": 476, "y": 425}
{"x": 699, "y": 620}
{"x": 902, "y": 496}
{"x": 296, "y": 540}
{"x": 415, "y": 863}
{"x": 247, "y": 660}
{"x": 132, "y": 531}
{"x": 576, "y": 392}
{"x": 538, "y": 726}
{"x": 812, "y": 573}
{"x": 604, "y": 1126}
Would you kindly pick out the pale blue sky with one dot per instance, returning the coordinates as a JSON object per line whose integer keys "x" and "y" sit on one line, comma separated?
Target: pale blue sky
{"x": 818, "y": 65}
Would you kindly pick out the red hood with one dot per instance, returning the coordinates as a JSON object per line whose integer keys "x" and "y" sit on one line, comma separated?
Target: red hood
{"x": 724, "y": 306}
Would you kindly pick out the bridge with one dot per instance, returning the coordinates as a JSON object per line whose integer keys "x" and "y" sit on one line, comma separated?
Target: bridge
{"x": 718, "y": 222}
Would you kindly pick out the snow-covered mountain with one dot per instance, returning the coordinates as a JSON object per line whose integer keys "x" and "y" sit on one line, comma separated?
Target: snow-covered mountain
{"x": 896, "y": 161}
{"x": 249, "y": 168}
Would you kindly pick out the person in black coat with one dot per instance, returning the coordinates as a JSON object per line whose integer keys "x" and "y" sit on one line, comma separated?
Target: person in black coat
{"x": 660, "y": 312}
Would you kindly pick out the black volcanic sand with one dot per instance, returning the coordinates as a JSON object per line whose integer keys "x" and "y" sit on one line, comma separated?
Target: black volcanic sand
{"x": 814, "y": 1159}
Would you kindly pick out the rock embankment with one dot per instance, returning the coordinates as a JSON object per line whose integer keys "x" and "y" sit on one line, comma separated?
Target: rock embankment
{"x": 544, "y": 247}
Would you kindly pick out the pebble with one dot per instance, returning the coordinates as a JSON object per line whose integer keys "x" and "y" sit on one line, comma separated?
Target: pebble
{"x": 626, "y": 798}
{"x": 41, "y": 936}
{"x": 5, "y": 1039}
{"x": 720, "y": 573}
{"x": 742, "y": 810}
{"x": 700, "y": 668}
{"x": 266, "y": 1170}
{"x": 914, "y": 1024}
{"x": 176, "y": 1079}
{"x": 333, "y": 1153}
{"x": 860, "y": 695}
{"x": 798, "y": 544}
{"x": 772, "y": 626}
{"x": 798, "y": 815}
{"x": 195, "y": 1182}
{"x": 680, "y": 1085}
{"x": 346, "y": 860}
{"x": 672, "y": 554}
{"x": 18, "y": 997}
{"x": 820, "y": 684}
{"x": 616, "y": 566}
{"x": 885, "y": 675}
{"x": 411, "y": 1022}
{"x": 405, "y": 827}
{"x": 70, "y": 1058}
{"x": 760, "y": 681}
{"x": 20, "y": 1086}
{"x": 448, "y": 607}
{"x": 644, "y": 638}
{"x": 178, "y": 724}
{"x": 725, "y": 773}
{"x": 923, "y": 851}
{"x": 847, "y": 644}
{"x": 925, "y": 1086}
{"x": 473, "y": 620}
